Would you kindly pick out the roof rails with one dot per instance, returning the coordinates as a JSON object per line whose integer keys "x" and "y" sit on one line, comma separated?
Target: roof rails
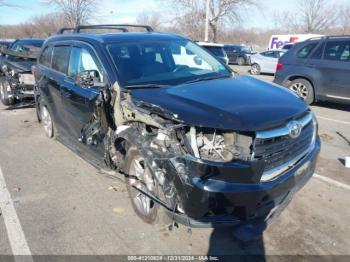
{"x": 112, "y": 26}
{"x": 82, "y": 27}
{"x": 121, "y": 27}
{"x": 62, "y": 30}
{"x": 337, "y": 36}
{"x": 328, "y": 37}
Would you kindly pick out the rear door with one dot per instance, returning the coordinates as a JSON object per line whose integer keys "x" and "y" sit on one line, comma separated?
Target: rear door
{"x": 336, "y": 69}
{"x": 269, "y": 61}
{"x": 234, "y": 54}
{"x": 79, "y": 101}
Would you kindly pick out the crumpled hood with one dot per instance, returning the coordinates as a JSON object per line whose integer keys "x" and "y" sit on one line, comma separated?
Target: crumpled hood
{"x": 21, "y": 66}
{"x": 242, "y": 103}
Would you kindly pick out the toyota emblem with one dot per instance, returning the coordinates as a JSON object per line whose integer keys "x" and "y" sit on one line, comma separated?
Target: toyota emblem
{"x": 294, "y": 128}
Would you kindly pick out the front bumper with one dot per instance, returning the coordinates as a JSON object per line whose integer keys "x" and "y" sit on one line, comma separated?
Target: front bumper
{"x": 228, "y": 194}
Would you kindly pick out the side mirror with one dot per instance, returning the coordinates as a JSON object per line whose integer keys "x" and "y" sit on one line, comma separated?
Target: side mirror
{"x": 88, "y": 78}
{"x": 197, "y": 60}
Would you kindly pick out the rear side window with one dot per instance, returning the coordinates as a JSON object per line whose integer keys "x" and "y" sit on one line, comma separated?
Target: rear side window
{"x": 318, "y": 52}
{"x": 45, "y": 58}
{"x": 305, "y": 51}
{"x": 269, "y": 54}
{"x": 337, "y": 51}
{"x": 60, "y": 58}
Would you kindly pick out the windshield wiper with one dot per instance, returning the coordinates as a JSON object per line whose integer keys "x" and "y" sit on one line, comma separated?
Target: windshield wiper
{"x": 206, "y": 78}
{"x": 141, "y": 86}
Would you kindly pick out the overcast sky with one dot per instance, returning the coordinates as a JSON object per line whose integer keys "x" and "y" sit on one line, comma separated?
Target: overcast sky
{"x": 125, "y": 11}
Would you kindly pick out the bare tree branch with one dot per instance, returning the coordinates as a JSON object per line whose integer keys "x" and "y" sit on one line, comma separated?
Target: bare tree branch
{"x": 221, "y": 11}
{"x": 316, "y": 15}
{"x": 152, "y": 19}
{"x": 76, "y": 12}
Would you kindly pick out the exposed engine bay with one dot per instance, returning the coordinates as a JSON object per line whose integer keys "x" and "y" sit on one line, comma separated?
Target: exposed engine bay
{"x": 217, "y": 145}
{"x": 178, "y": 155}
{"x": 17, "y": 83}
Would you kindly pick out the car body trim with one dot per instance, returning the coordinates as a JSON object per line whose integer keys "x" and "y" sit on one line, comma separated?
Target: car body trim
{"x": 338, "y": 97}
{"x": 284, "y": 130}
{"x": 280, "y": 170}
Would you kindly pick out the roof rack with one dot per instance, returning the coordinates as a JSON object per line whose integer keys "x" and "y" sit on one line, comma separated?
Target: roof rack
{"x": 337, "y": 36}
{"x": 328, "y": 37}
{"x": 112, "y": 26}
{"x": 62, "y": 30}
{"x": 82, "y": 27}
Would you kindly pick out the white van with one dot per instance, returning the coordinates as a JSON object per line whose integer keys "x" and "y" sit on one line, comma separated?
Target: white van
{"x": 278, "y": 41}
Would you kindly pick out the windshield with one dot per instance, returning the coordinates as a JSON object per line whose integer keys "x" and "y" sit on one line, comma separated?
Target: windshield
{"x": 26, "y": 45}
{"x": 169, "y": 62}
{"x": 246, "y": 49}
{"x": 216, "y": 50}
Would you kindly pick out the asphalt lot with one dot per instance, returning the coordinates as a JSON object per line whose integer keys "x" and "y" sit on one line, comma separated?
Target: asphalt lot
{"x": 64, "y": 206}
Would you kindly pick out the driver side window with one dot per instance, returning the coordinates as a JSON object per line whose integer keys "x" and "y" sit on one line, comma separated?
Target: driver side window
{"x": 81, "y": 60}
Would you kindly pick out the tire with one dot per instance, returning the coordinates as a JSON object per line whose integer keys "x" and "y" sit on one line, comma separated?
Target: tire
{"x": 241, "y": 61}
{"x": 255, "y": 69}
{"x": 149, "y": 211}
{"x": 4, "y": 96}
{"x": 47, "y": 122}
{"x": 303, "y": 89}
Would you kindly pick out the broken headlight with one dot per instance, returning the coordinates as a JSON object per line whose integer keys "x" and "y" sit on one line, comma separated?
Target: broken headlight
{"x": 219, "y": 145}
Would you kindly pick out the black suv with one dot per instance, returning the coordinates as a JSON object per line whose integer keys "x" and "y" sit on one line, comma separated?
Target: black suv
{"x": 238, "y": 54}
{"x": 194, "y": 142}
{"x": 17, "y": 81}
{"x": 317, "y": 69}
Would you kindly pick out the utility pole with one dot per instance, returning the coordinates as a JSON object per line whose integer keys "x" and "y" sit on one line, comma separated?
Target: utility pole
{"x": 206, "y": 37}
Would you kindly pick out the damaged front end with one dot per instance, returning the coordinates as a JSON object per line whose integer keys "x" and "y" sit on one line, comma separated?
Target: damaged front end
{"x": 17, "y": 85}
{"x": 209, "y": 177}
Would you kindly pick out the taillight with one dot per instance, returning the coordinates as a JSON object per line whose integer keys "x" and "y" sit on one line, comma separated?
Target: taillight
{"x": 279, "y": 66}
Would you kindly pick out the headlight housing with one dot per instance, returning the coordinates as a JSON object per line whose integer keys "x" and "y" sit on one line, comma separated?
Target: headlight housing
{"x": 219, "y": 145}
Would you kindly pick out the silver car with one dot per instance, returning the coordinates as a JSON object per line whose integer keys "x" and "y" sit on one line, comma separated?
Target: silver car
{"x": 265, "y": 62}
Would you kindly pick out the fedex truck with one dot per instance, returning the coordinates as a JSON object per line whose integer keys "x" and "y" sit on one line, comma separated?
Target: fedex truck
{"x": 278, "y": 41}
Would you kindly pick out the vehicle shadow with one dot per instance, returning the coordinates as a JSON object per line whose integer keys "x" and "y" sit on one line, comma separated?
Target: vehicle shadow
{"x": 332, "y": 105}
{"x": 226, "y": 247}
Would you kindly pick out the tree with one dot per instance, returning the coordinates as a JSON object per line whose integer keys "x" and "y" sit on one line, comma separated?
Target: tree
{"x": 152, "y": 19}
{"x": 344, "y": 19}
{"x": 75, "y": 12}
{"x": 316, "y": 15}
{"x": 220, "y": 11}
{"x": 48, "y": 24}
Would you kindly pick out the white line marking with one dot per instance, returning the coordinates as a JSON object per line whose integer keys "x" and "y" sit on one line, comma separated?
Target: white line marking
{"x": 332, "y": 181}
{"x": 333, "y": 120}
{"x": 14, "y": 229}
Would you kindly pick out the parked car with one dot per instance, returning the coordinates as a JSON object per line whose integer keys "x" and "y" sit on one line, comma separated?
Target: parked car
{"x": 317, "y": 69}
{"x": 196, "y": 143}
{"x": 6, "y": 42}
{"x": 265, "y": 62}
{"x": 17, "y": 84}
{"x": 238, "y": 54}
{"x": 216, "y": 49}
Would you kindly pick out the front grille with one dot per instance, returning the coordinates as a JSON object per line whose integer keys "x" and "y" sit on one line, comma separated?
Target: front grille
{"x": 281, "y": 149}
